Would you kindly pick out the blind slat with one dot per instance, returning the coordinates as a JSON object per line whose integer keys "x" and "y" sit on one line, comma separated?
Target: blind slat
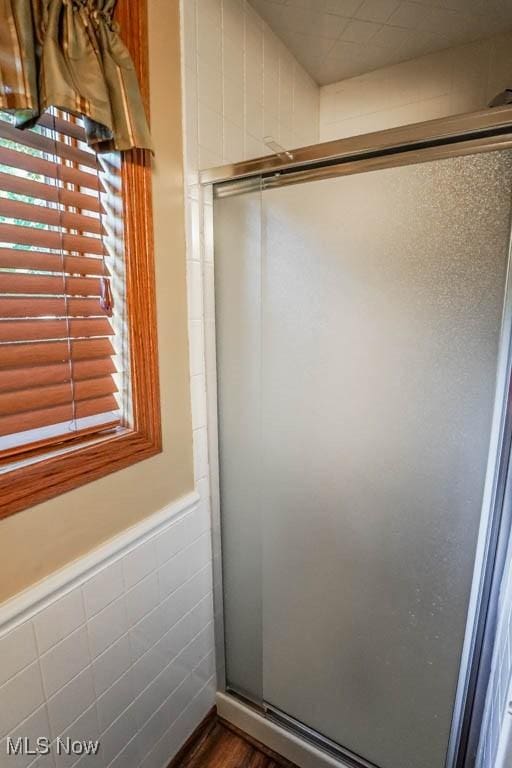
{"x": 21, "y": 306}
{"x": 44, "y": 353}
{"x": 11, "y": 258}
{"x": 24, "y": 378}
{"x": 38, "y": 330}
{"x": 41, "y": 214}
{"x": 40, "y": 167}
{"x": 47, "y": 145}
{"x": 59, "y": 415}
{"x": 97, "y": 405}
{"x": 35, "y": 419}
{"x": 21, "y": 282}
{"x": 66, "y": 127}
{"x": 57, "y": 394}
{"x": 94, "y": 388}
{"x": 41, "y": 238}
{"x": 19, "y": 185}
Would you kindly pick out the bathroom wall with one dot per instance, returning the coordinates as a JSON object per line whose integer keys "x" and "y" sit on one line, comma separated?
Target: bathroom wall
{"x": 44, "y": 538}
{"x": 118, "y": 647}
{"x": 461, "y": 79}
{"x": 241, "y": 84}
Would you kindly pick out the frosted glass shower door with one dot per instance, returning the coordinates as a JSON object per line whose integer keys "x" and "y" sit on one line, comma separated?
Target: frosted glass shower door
{"x": 358, "y": 328}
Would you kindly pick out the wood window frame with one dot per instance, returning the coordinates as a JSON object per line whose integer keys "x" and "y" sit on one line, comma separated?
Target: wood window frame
{"x": 82, "y": 462}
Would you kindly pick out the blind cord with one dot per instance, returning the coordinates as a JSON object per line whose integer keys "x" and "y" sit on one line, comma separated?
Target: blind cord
{"x": 73, "y": 427}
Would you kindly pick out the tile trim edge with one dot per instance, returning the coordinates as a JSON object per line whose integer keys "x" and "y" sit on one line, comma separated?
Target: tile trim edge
{"x": 38, "y": 596}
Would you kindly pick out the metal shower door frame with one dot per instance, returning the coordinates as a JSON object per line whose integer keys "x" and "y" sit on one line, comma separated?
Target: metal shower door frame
{"x": 484, "y": 131}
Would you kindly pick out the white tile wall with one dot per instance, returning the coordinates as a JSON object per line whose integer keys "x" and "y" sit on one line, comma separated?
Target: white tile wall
{"x": 241, "y": 84}
{"x": 457, "y": 80}
{"x": 127, "y": 657}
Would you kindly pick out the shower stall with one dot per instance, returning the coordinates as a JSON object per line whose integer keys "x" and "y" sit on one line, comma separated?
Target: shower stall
{"x": 363, "y": 317}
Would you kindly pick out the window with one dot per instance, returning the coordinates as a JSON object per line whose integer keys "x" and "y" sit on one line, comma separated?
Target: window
{"x": 78, "y": 371}
{"x": 60, "y": 357}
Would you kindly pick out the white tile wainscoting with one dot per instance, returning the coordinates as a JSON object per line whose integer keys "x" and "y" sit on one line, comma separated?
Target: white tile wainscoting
{"x": 118, "y": 646}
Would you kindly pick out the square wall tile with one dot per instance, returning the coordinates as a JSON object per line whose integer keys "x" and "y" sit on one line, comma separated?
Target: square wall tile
{"x": 209, "y": 89}
{"x": 200, "y": 453}
{"x": 58, "y": 620}
{"x": 198, "y": 393}
{"x": 108, "y": 667}
{"x": 195, "y": 291}
{"x": 64, "y": 661}
{"x": 20, "y": 697}
{"x": 70, "y": 702}
{"x": 196, "y": 347}
{"x": 138, "y": 563}
{"x": 108, "y": 626}
{"x": 142, "y": 598}
{"x": 103, "y": 588}
{"x": 85, "y": 728}
{"x": 17, "y": 650}
{"x": 210, "y": 128}
{"x": 172, "y": 540}
{"x": 115, "y": 700}
{"x": 34, "y": 727}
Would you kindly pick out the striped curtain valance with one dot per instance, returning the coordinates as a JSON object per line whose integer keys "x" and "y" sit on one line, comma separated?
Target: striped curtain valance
{"x": 68, "y": 54}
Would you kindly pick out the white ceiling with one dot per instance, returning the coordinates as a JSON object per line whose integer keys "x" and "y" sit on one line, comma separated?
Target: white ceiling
{"x": 335, "y": 39}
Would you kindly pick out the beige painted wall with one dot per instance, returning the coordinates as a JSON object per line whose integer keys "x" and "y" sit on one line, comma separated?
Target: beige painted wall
{"x": 39, "y": 540}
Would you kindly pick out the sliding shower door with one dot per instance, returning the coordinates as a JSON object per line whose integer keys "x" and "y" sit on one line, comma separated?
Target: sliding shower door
{"x": 358, "y": 333}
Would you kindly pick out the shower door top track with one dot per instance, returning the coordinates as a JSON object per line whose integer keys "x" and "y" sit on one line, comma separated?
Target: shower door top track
{"x": 486, "y": 130}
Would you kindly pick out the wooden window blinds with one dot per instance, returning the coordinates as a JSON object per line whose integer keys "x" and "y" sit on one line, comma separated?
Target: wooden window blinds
{"x": 59, "y": 369}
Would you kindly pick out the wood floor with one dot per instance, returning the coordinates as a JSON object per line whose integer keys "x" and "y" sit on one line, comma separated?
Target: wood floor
{"x": 220, "y": 745}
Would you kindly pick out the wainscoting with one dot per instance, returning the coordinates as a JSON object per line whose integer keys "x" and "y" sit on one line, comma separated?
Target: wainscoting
{"x": 117, "y": 647}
